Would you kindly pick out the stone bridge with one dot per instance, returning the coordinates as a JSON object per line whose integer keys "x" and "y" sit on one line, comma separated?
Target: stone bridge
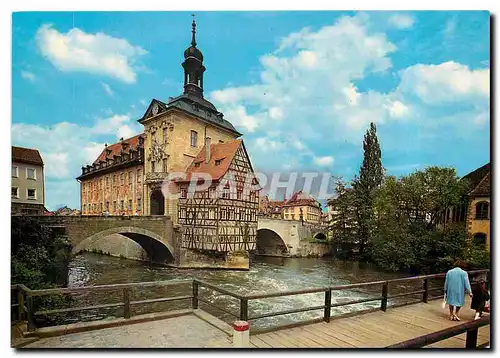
{"x": 154, "y": 237}
{"x": 277, "y": 237}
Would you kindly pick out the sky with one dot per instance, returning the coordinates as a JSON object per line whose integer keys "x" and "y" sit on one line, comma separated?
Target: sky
{"x": 302, "y": 87}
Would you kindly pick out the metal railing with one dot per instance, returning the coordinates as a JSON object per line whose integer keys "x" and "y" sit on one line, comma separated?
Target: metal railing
{"x": 24, "y": 306}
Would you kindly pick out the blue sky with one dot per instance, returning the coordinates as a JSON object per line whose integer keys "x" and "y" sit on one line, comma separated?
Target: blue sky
{"x": 301, "y": 86}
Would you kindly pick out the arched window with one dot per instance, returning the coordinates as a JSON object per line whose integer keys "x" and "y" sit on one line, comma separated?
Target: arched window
{"x": 479, "y": 239}
{"x": 482, "y": 210}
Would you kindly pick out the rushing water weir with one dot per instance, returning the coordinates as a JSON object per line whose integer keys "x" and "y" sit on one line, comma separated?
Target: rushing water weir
{"x": 266, "y": 275}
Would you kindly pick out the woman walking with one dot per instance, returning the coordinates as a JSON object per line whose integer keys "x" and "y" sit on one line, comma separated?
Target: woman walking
{"x": 481, "y": 296}
{"x": 455, "y": 286}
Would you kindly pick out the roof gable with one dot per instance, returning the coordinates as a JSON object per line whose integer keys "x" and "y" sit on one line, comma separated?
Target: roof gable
{"x": 162, "y": 107}
{"x": 475, "y": 177}
{"x": 483, "y": 188}
{"x": 223, "y": 153}
{"x": 26, "y": 155}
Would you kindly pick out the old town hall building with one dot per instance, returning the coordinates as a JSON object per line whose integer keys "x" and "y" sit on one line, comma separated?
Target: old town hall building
{"x": 186, "y": 134}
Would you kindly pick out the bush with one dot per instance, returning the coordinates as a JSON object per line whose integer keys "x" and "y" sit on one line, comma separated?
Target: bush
{"x": 40, "y": 259}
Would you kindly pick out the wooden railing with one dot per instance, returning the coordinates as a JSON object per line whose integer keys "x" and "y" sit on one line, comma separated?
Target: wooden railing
{"x": 470, "y": 327}
{"x": 29, "y": 312}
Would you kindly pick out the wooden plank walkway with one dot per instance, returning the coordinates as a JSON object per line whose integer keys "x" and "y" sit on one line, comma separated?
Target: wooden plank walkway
{"x": 371, "y": 330}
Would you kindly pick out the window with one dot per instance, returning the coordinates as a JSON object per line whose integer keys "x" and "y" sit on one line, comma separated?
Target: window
{"x": 15, "y": 172}
{"x": 221, "y": 141}
{"x": 107, "y": 182}
{"x": 165, "y": 136}
{"x": 218, "y": 161}
{"x": 100, "y": 207}
{"x": 31, "y": 173}
{"x": 31, "y": 193}
{"x": 152, "y": 166}
{"x": 183, "y": 193}
{"x": 107, "y": 206}
{"x": 165, "y": 165}
{"x": 139, "y": 175}
{"x": 114, "y": 206}
{"x": 194, "y": 139}
{"x": 197, "y": 164}
{"x": 130, "y": 204}
{"x": 129, "y": 178}
{"x": 482, "y": 210}
{"x": 122, "y": 179}
{"x": 84, "y": 208}
{"x": 139, "y": 204}
{"x": 122, "y": 206}
{"x": 479, "y": 239}
{"x": 15, "y": 192}
{"x": 114, "y": 180}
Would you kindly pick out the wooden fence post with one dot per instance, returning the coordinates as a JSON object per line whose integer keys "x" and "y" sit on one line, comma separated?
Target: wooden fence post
{"x": 126, "y": 303}
{"x": 471, "y": 339}
{"x": 425, "y": 297}
{"x": 328, "y": 305}
{"x": 243, "y": 309}
{"x": 31, "y": 316}
{"x": 385, "y": 289}
{"x": 20, "y": 301}
{"x": 195, "y": 295}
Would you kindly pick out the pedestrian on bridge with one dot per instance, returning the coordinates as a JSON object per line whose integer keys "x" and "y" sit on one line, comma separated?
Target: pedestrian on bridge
{"x": 455, "y": 286}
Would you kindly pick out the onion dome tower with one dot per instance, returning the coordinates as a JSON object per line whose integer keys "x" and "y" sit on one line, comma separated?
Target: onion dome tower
{"x": 193, "y": 67}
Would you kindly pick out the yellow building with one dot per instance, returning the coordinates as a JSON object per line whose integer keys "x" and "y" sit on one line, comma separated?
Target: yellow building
{"x": 127, "y": 177}
{"x": 479, "y": 209}
{"x": 302, "y": 207}
{"x": 475, "y": 210}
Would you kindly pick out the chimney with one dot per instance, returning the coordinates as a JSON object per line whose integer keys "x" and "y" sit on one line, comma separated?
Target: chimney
{"x": 207, "y": 149}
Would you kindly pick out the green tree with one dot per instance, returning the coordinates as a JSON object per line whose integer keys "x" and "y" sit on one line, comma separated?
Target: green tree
{"x": 371, "y": 174}
{"x": 406, "y": 234}
{"x": 343, "y": 222}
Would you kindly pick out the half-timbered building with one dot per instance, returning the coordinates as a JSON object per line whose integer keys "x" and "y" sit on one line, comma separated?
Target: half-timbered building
{"x": 221, "y": 216}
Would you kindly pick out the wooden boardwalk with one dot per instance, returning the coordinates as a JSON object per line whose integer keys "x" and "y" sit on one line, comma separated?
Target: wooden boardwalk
{"x": 371, "y": 330}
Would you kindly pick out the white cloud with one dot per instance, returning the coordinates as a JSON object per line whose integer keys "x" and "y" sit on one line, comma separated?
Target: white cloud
{"x": 308, "y": 74}
{"x": 351, "y": 94}
{"x": 107, "y": 89}
{"x": 323, "y": 161}
{"x": 77, "y": 51}
{"x": 397, "y": 109}
{"x": 30, "y": 76}
{"x": 313, "y": 80}
{"x": 401, "y": 21}
{"x": 240, "y": 117}
{"x": 276, "y": 113}
{"x": 446, "y": 82}
{"x": 66, "y": 147}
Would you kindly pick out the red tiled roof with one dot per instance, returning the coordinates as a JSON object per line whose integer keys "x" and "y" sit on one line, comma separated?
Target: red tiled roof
{"x": 483, "y": 188}
{"x": 225, "y": 151}
{"x": 26, "y": 155}
{"x": 115, "y": 149}
{"x": 298, "y": 198}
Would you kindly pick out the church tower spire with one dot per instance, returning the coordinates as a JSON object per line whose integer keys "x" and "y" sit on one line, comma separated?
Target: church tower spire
{"x": 193, "y": 67}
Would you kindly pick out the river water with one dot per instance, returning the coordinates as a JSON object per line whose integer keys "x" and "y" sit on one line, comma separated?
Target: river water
{"x": 266, "y": 274}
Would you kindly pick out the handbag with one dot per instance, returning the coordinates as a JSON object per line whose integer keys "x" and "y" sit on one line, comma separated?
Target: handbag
{"x": 444, "y": 302}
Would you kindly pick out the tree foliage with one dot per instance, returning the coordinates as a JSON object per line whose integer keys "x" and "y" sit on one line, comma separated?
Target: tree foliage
{"x": 371, "y": 174}
{"x": 40, "y": 259}
{"x": 406, "y": 234}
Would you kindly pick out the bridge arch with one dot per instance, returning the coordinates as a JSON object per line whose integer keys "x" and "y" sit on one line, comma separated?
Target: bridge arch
{"x": 320, "y": 235}
{"x": 269, "y": 242}
{"x": 157, "y": 248}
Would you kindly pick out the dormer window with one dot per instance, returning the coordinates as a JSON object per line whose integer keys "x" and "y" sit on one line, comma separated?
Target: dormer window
{"x": 218, "y": 161}
{"x": 196, "y": 165}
